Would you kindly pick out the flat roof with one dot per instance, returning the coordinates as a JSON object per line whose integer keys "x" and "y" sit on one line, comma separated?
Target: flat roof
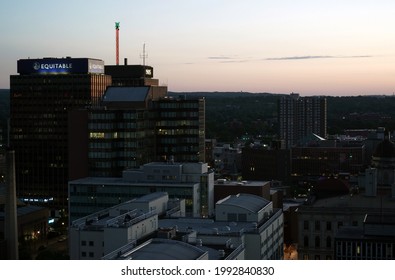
{"x": 25, "y": 210}
{"x": 250, "y": 202}
{"x": 206, "y": 226}
{"x": 241, "y": 183}
{"x": 164, "y": 249}
{"x": 123, "y": 182}
{"x": 355, "y": 201}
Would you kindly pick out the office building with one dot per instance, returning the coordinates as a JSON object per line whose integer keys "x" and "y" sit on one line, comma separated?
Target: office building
{"x": 41, "y": 97}
{"x": 300, "y": 116}
{"x": 180, "y": 129}
{"x": 136, "y": 124}
{"x": 117, "y": 136}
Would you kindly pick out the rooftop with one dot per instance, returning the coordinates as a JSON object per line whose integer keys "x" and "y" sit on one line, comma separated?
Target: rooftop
{"x": 161, "y": 249}
{"x": 252, "y": 203}
{"x": 241, "y": 183}
{"x": 355, "y": 201}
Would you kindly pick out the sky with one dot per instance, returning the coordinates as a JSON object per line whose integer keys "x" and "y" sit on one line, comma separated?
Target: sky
{"x": 311, "y": 47}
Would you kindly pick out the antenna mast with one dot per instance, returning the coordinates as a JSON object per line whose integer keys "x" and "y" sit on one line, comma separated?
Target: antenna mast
{"x": 144, "y": 55}
{"x": 117, "y": 43}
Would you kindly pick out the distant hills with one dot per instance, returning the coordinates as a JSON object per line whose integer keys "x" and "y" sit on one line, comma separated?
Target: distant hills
{"x": 230, "y": 114}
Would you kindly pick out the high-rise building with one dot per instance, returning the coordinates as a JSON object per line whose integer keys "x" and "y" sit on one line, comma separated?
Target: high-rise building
{"x": 180, "y": 129}
{"x": 135, "y": 125}
{"x": 41, "y": 97}
{"x": 301, "y": 116}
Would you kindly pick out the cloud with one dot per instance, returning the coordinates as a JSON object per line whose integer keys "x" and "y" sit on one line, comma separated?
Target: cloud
{"x": 238, "y": 59}
{"x": 315, "y": 57}
{"x": 220, "y": 57}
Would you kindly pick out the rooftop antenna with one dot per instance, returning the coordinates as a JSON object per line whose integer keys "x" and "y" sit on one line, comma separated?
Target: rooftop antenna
{"x": 117, "y": 43}
{"x": 144, "y": 55}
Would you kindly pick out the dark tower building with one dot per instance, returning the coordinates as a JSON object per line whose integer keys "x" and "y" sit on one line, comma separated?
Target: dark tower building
{"x": 301, "y": 116}
{"x": 137, "y": 123}
{"x": 180, "y": 129}
{"x": 41, "y": 97}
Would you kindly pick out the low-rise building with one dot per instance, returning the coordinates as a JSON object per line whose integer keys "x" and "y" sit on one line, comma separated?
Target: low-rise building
{"x": 319, "y": 221}
{"x": 192, "y": 182}
{"x": 100, "y": 233}
{"x": 241, "y": 220}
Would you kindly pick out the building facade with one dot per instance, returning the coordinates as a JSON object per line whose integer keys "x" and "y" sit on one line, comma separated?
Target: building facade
{"x": 180, "y": 129}
{"x": 372, "y": 241}
{"x": 40, "y": 98}
{"x": 320, "y": 221}
{"x": 100, "y": 233}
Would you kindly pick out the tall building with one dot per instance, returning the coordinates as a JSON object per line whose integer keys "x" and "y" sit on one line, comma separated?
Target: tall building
{"x": 135, "y": 125}
{"x": 301, "y": 116}
{"x": 41, "y": 97}
{"x": 117, "y": 136}
{"x": 180, "y": 129}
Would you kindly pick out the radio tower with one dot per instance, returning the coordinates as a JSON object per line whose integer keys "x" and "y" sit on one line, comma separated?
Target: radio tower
{"x": 117, "y": 43}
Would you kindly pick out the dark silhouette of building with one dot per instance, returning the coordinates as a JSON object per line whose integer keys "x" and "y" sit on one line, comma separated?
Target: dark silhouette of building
{"x": 180, "y": 129}
{"x": 41, "y": 97}
{"x": 264, "y": 163}
{"x": 135, "y": 124}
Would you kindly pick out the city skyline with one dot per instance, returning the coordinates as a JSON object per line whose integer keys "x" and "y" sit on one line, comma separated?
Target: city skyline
{"x": 310, "y": 47}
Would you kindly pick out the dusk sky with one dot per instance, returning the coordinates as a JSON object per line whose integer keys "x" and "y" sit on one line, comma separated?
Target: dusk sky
{"x": 310, "y": 47}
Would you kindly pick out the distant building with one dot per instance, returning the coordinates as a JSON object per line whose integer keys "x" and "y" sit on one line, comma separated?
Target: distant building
{"x": 227, "y": 160}
{"x": 372, "y": 241}
{"x": 300, "y": 116}
{"x": 190, "y": 181}
{"x": 224, "y": 188}
{"x": 319, "y": 221}
{"x": 210, "y": 144}
{"x": 379, "y": 178}
{"x": 263, "y": 163}
{"x": 326, "y": 157}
